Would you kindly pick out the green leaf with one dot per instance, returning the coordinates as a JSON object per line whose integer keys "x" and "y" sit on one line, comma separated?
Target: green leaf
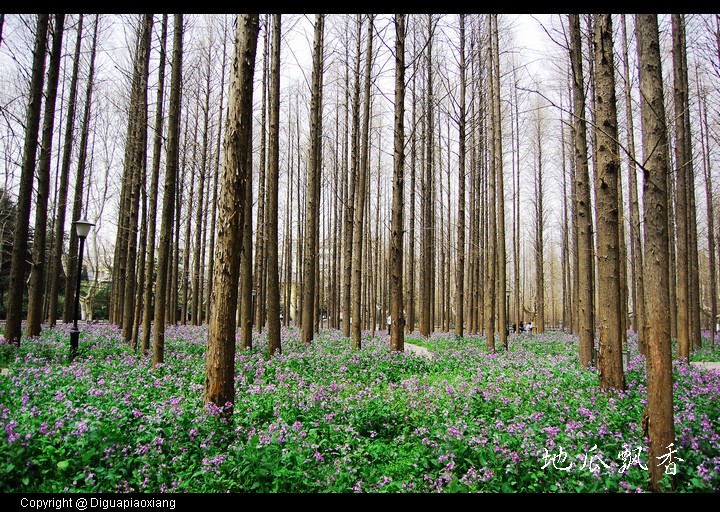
{"x": 63, "y": 465}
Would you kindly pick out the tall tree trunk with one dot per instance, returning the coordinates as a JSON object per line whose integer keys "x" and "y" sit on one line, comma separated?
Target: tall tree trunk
{"x": 216, "y": 173}
{"x": 70, "y": 282}
{"x": 397, "y": 324}
{"x": 360, "y": 197}
{"x": 460, "y": 268}
{"x": 500, "y": 253}
{"x": 684, "y": 160}
{"x": 246, "y": 293}
{"x": 611, "y": 335}
{"x": 349, "y": 214}
{"x": 312, "y": 198}
{"x": 198, "y": 260}
{"x": 220, "y": 359}
{"x": 136, "y": 168}
{"x": 585, "y": 266}
{"x": 16, "y": 282}
{"x": 427, "y": 290}
{"x": 271, "y": 228}
{"x": 658, "y": 424}
{"x": 411, "y": 233}
{"x": 56, "y": 264}
{"x": 260, "y": 274}
{"x": 539, "y": 309}
{"x": 37, "y": 271}
{"x": 171, "y": 172}
{"x": 490, "y": 265}
{"x": 636, "y": 250}
{"x": 705, "y": 154}
{"x": 683, "y": 169}
{"x": 152, "y": 206}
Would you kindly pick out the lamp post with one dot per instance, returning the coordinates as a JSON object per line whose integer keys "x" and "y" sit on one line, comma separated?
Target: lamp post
{"x": 82, "y": 228}
{"x": 507, "y": 310}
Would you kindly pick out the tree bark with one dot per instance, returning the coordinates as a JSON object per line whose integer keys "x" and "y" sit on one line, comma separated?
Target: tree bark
{"x": 611, "y": 336}
{"x": 312, "y": 197}
{"x": 660, "y": 427}
{"x": 37, "y": 271}
{"x": 271, "y": 228}
{"x": 585, "y": 266}
{"x": 152, "y": 207}
{"x": 171, "y": 172}
{"x": 220, "y": 359}
{"x": 16, "y": 283}
{"x": 56, "y": 264}
{"x": 360, "y": 197}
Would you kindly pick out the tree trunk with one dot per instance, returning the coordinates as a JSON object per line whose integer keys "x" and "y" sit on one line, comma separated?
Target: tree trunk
{"x": 611, "y": 336}
{"x": 220, "y": 359}
{"x": 56, "y": 264}
{"x": 71, "y": 280}
{"x": 260, "y": 273}
{"x": 636, "y": 250}
{"x": 216, "y": 173}
{"x": 659, "y": 424}
{"x": 460, "y": 267}
{"x": 18, "y": 266}
{"x": 312, "y": 198}
{"x": 360, "y": 197}
{"x": 271, "y": 228}
{"x": 198, "y": 260}
{"x": 171, "y": 172}
{"x": 705, "y": 153}
{"x": 152, "y": 206}
{"x": 500, "y": 253}
{"x": 585, "y": 270}
{"x": 397, "y": 323}
{"x": 37, "y": 272}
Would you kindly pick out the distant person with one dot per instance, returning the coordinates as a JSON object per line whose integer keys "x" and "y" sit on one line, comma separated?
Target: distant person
{"x": 528, "y": 328}
{"x": 389, "y": 320}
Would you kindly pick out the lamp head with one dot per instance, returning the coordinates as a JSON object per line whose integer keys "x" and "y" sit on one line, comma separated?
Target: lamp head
{"x": 82, "y": 227}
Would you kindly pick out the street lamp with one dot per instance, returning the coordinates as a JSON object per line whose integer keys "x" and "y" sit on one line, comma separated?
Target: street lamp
{"x": 82, "y": 228}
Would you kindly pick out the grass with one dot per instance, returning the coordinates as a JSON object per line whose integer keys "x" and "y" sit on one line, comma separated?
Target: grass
{"x": 325, "y": 418}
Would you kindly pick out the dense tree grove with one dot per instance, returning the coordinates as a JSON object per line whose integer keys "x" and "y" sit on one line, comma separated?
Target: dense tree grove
{"x": 366, "y": 173}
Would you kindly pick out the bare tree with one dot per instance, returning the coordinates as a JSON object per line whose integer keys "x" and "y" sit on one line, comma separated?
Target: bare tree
{"x": 216, "y": 172}
{"x": 397, "y": 325}
{"x": 360, "y": 197}
{"x": 658, "y": 423}
{"x": 16, "y": 284}
{"x": 611, "y": 335}
{"x": 200, "y": 224}
{"x": 584, "y": 266}
{"x": 312, "y": 196}
{"x": 705, "y": 152}
{"x": 497, "y": 144}
{"x": 61, "y": 205}
{"x": 688, "y": 319}
{"x": 37, "y": 271}
{"x": 260, "y": 271}
{"x": 636, "y": 250}
{"x": 70, "y": 306}
{"x": 152, "y": 207}
{"x": 271, "y": 219}
{"x": 220, "y": 359}
{"x": 171, "y": 172}
{"x": 460, "y": 267}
